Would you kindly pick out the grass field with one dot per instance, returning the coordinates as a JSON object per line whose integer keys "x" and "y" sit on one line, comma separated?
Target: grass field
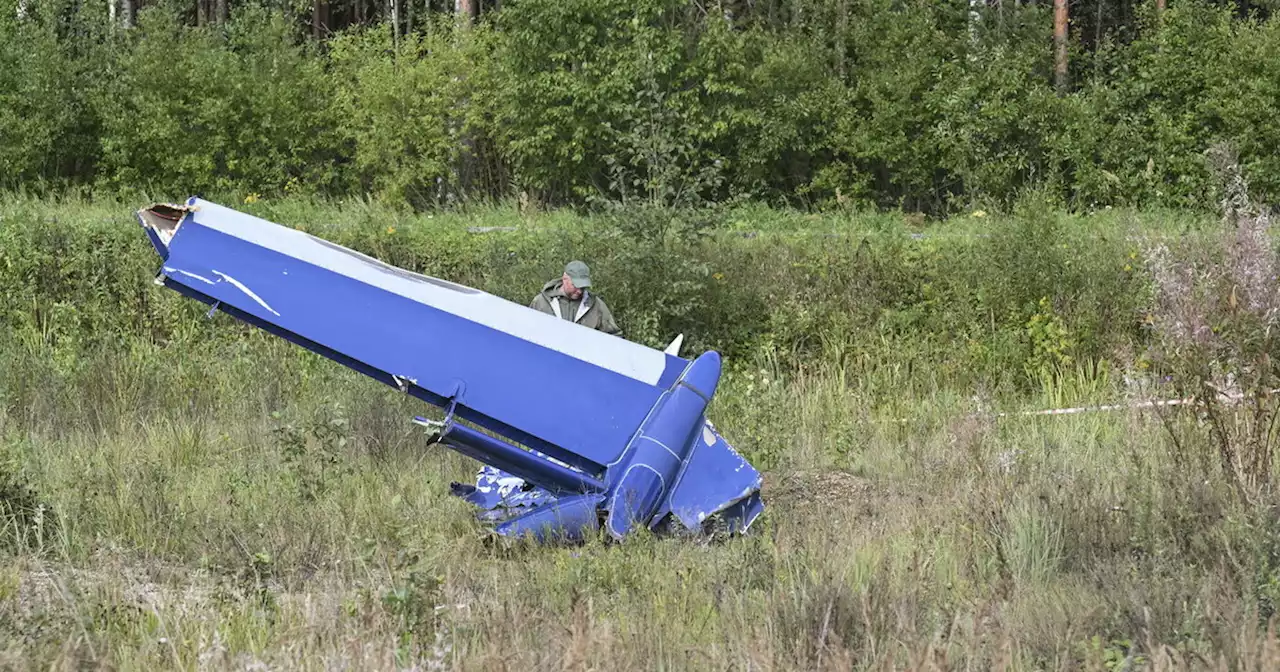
{"x": 231, "y": 502}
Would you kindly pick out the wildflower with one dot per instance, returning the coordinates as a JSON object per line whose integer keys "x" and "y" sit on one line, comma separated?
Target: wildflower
{"x": 391, "y": 230}
{"x": 979, "y": 213}
{"x": 252, "y": 198}
{"x": 1180, "y": 316}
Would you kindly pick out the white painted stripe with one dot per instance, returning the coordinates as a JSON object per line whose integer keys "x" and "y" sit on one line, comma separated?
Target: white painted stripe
{"x": 201, "y": 278}
{"x": 662, "y": 445}
{"x": 607, "y": 351}
{"x": 240, "y": 286}
{"x": 642, "y": 465}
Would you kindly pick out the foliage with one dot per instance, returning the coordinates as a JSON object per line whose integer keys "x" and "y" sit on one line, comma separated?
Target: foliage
{"x": 49, "y": 70}
{"x": 1215, "y": 321}
{"x": 861, "y": 103}
{"x": 1035, "y": 292}
{"x": 407, "y": 118}
{"x": 26, "y": 520}
{"x": 314, "y": 452}
{"x": 193, "y": 110}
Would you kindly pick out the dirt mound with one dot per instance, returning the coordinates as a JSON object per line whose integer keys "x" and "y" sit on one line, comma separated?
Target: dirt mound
{"x": 800, "y": 488}
{"x": 834, "y": 497}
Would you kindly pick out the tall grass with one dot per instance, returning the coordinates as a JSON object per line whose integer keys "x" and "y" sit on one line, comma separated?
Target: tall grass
{"x": 283, "y": 512}
{"x": 217, "y": 499}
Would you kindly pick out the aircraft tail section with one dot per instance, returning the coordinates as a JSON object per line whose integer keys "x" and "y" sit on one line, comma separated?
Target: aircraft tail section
{"x": 635, "y": 449}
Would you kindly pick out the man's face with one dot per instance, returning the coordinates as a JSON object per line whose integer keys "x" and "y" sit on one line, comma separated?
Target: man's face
{"x": 569, "y": 290}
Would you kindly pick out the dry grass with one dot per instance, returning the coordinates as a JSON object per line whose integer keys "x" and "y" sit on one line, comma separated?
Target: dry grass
{"x": 183, "y": 537}
{"x": 245, "y": 505}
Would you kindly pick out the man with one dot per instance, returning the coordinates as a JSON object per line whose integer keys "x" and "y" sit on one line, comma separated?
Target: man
{"x": 500, "y": 494}
{"x": 567, "y": 297}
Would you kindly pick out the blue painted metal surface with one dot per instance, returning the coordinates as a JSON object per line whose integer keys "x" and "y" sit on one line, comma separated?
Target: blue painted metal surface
{"x": 637, "y": 451}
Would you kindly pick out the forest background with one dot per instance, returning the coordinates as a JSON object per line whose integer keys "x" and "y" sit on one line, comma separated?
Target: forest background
{"x": 929, "y": 106}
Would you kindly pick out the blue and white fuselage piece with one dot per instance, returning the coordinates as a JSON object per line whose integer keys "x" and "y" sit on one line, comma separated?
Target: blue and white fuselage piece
{"x": 636, "y": 450}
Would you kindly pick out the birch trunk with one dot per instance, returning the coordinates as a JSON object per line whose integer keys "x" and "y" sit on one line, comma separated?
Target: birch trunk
{"x": 394, "y": 7}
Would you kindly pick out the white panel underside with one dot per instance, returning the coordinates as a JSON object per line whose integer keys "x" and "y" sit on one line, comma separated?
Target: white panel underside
{"x": 604, "y": 350}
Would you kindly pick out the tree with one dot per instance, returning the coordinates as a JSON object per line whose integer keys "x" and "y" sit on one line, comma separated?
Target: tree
{"x": 1060, "y": 44}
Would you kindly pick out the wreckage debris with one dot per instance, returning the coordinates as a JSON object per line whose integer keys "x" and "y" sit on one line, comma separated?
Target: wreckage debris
{"x": 640, "y": 452}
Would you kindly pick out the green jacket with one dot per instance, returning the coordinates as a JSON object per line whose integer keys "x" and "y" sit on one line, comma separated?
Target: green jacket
{"x": 595, "y": 314}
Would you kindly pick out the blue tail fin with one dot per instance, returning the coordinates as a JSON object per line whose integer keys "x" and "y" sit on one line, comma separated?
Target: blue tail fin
{"x": 715, "y": 480}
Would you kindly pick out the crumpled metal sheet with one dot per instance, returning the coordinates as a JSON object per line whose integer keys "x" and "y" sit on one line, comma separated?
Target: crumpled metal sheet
{"x": 500, "y": 495}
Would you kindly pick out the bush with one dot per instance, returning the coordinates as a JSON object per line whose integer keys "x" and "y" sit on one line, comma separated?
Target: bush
{"x": 48, "y": 131}
{"x": 1215, "y": 321}
{"x": 866, "y": 103}
{"x": 26, "y": 521}
{"x": 194, "y": 110}
{"x": 409, "y": 116}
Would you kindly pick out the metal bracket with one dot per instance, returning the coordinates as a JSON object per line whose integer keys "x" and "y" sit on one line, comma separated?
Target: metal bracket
{"x": 403, "y": 383}
{"x": 212, "y": 310}
{"x": 438, "y": 427}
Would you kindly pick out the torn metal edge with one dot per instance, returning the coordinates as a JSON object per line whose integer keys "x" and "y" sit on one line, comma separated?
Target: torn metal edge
{"x": 161, "y": 221}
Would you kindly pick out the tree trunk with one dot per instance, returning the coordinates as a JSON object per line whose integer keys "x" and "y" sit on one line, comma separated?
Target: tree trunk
{"x": 220, "y": 11}
{"x": 842, "y": 38}
{"x": 130, "y": 13}
{"x": 974, "y": 17}
{"x": 319, "y": 19}
{"x": 468, "y": 9}
{"x": 1060, "y": 44}
{"x": 1097, "y": 28}
{"x": 394, "y": 7}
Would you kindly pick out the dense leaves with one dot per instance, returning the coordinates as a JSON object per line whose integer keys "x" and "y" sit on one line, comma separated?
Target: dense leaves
{"x": 918, "y": 104}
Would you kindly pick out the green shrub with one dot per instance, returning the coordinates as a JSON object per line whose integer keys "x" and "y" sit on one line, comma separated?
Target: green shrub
{"x": 408, "y": 112}
{"x": 865, "y": 103}
{"x": 47, "y": 126}
{"x": 194, "y": 110}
